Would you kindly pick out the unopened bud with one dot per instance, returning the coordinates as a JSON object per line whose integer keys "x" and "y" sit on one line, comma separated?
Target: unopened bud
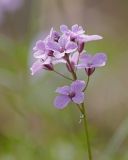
{"x": 48, "y": 67}
{"x": 89, "y": 71}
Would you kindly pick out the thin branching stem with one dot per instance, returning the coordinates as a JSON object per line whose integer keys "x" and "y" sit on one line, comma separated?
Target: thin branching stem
{"x": 86, "y": 131}
{"x": 60, "y": 74}
{"x": 86, "y": 84}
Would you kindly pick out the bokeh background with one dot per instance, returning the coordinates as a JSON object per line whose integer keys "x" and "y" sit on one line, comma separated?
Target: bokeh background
{"x": 30, "y": 127}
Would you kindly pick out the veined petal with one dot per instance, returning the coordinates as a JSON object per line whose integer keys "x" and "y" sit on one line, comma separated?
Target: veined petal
{"x": 64, "y": 28}
{"x": 48, "y": 60}
{"x": 75, "y": 28}
{"x": 79, "y": 98}
{"x": 88, "y": 38}
{"x": 70, "y": 47}
{"x": 63, "y": 90}
{"x": 40, "y": 45}
{"x": 99, "y": 60}
{"x": 61, "y": 101}
{"x": 40, "y": 54}
{"x": 77, "y": 86}
{"x": 59, "y": 55}
{"x": 85, "y": 58}
{"x": 74, "y": 58}
{"x": 54, "y": 46}
{"x": 38, "y": 65}
{"x": 63, "y": 40}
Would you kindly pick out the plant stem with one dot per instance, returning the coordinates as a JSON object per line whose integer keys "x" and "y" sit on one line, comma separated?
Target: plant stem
{"x": 62, "y": 75}
{"x": 86, "y": 84}
{"x": 72, "y": 70}
{"x": 82, "y": 110}
{"x": 86, "y": 132}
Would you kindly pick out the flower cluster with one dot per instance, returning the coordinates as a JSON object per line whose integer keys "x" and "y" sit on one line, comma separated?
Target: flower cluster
{"x": 67, "y": 46}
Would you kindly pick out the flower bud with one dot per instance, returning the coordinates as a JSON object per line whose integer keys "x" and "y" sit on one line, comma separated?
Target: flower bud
{"x": 89, "y": 71}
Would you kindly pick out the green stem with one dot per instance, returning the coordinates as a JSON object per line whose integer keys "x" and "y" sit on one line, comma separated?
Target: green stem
{"x": 86, "y": 84}
{"x": 72, "y": 70}
{"x": 82, "y": 110}
{"x": 86, "y": 132}
{"x": 60, "y": 74}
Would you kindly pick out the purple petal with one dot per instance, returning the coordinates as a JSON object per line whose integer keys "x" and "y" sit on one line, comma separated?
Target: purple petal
{"x": 77, "y": 86}
{"x": 51, "y": 32}
{"x": 70, "y": 47}
{"x": 65, "y": 90}
{"x": 54, "y": 35}
{"x": 85, "y": 59}
{"x": 75, "y": 28}
{"x": 74, "y": 58}
{"x": 88, "y": 38}
{"x": 54, "y": 46}
{"x": 40, "y": 54}
{"x": 99, "y": 60}
{"x": 64, "y": 29}
{"x": 63, "y": 40}
{"x": 61, "y": 101}
{"x": 40, "y": 45}
{"x": 59, "y": 55}
{"x": 79, "y": 98}
{"x": 36, "y": 67}
{"x": 48, "y": 60}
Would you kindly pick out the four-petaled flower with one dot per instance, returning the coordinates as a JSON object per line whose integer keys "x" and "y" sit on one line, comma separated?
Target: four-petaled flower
{"x": 73, "y": 93}
{"x": 77, "y": 34}
{"x": 74, "y": 32}
{"x": 40, "y": 50}
{"x": 42, "y": 64}
{"x": 90, "y": 62}
{"x": 64, "y": 45}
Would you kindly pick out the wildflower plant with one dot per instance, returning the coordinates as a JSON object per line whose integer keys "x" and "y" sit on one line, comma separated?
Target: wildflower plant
{"x": 67, "y": 47}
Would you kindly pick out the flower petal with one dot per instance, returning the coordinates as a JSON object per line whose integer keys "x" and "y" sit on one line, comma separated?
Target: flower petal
{"x": 54, "y": 46}
{"x": 74, "y": 58}
{"x": 75, "y": 28}
{"x": 77, "y": 86}
{"x": 38, "y": 65}
{"x": 40, "y": 45}
{"x": 70, "y": 47}
{"x": 99, "y": 60}
{"x": 59, "y": 55}
{"x": 84, "y": 61}
{"x": 48, "y": 60}
{"x": 79, "y": 98}
{"x": 63, "y": 40}
{"x": 40, "y": 54}
{"x": 88, "y": 38}
{"x": 61, "y": 101}
{"x": 65, "y": 90}
{"x": 64, "y": 28}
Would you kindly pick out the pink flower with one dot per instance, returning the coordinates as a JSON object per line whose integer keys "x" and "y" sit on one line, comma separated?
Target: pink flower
{"x": 64, "y": 45}
{"x": 90, "y": 62}
{"x": 73, "y": 93}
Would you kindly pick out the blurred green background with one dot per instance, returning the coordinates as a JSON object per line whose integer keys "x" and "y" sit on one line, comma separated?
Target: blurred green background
{"x": 30, "y": 127}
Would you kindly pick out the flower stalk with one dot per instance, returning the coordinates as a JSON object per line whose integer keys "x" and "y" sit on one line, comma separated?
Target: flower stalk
{"x": 67, "y": 47}
{"x": 86, "y": 132}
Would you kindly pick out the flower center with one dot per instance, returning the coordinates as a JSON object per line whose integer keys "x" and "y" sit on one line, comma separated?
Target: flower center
{"x": 72, "y": 94}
